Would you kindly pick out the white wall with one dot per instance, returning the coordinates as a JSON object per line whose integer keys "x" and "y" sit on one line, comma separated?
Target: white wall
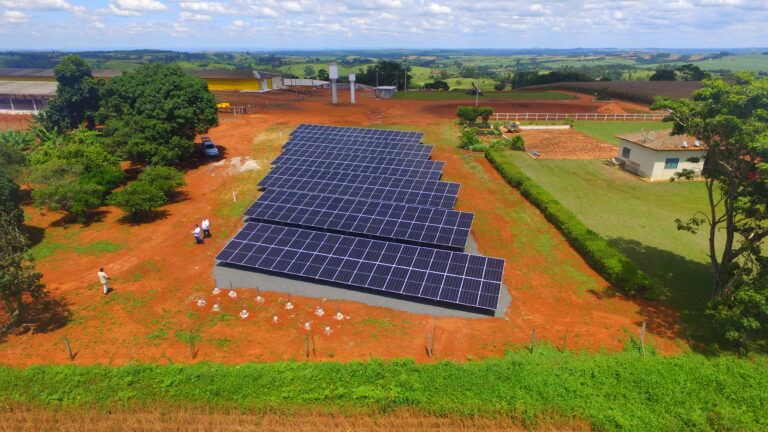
{"x": 651, "y": 162}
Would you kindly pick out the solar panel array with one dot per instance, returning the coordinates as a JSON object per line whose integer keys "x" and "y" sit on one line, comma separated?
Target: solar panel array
{"x": 365, "y": 208}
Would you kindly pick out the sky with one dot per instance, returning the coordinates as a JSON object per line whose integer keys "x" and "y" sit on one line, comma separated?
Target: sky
{"x": 264, "y": 25}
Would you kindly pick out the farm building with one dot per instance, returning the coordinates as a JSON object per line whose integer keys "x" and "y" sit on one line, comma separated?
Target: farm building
{"x": 249, "y": 80}
{"x": 25, "y": 96}
{"x": 385, "y": 92}
{"x": 658, "y": 155}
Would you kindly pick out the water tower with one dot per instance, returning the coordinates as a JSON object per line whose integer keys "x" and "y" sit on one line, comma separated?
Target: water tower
{"x": 333, "y": 74}
{"x": 352, "y": 87}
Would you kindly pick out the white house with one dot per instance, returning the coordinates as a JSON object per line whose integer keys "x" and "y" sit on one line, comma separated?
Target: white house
{"x": 658, "y": 155}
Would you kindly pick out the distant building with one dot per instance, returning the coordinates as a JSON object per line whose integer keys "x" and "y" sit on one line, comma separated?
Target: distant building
{"x": 385, "y": 92}
{"x": 247, "y": 80}
{"x": 659, "y": 155}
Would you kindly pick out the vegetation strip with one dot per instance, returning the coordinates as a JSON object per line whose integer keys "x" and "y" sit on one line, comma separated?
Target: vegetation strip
{"x": 614, "y": 266}
{"x": 611, "y": 391}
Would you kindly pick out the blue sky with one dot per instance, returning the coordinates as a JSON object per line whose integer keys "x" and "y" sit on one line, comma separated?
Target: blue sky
{"x": 321, "y": 24}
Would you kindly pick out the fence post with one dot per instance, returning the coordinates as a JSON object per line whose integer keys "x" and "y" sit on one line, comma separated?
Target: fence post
{"x": 192, "y": 352}
{"x": 533, "y": 340}
{"x": 306, "y": 345}
{"x": 69, "y": 349}
{"x": 565, "y": 338}
{"x": 642, "y": 339}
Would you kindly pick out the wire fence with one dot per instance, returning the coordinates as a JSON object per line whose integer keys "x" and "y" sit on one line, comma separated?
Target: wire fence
{"x": 576, "y": 116}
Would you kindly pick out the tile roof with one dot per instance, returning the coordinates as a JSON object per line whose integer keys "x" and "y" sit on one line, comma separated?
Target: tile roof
{"x": 663, "y": 140}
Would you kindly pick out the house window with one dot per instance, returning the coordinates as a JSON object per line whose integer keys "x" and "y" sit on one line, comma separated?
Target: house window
{"x": 694, "y": 160}
{"x": 671, "y": 163}
{"x": 625, "y": 152}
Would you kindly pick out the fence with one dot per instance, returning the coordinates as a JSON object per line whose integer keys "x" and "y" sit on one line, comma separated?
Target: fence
{"x": 575, "y": 116}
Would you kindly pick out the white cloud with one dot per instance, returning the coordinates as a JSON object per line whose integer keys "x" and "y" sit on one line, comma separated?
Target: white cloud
{"x": 292, "y": 6}
{"x": 36, "y": 4}
{"x": 14, "y": 16}
{"x": 263, "y": 11}
{"x": 438, "y": 8}
{"x": 190, "y": 16}
{"x": 618, "y": 15}
{"x": 139, "y": 5}
{"x": 215, "y": 7}
{"x": 122, "y": 12}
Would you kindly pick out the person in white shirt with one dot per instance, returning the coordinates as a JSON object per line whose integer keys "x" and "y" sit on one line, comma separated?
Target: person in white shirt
{"x": 196, "y": 232}
{"x": 103, "y": 278}
{"x": 206, "y": 226}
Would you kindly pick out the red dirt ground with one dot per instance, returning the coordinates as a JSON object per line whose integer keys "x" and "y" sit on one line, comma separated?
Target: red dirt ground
{"x": 566, "y": 144}
{"x": 14, "y": 121}
{"x": 160, "y": 274}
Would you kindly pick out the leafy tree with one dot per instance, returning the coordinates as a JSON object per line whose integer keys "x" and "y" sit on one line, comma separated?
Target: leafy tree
{"x": 691, "y": 72}
{"x": 22, "y": 140}
{"x": 156, "y": 110}
{"x": 322, "y": 75}
{"x": 603, "y": 93}
{"x": 732, "y": 119}
{"x": 12, "y": 160}
{"x": 388, "y": 73}
{"x": 309, "y": 71}
{"x": 663, "y": 75}
{"x": 485, "y": 113}
{"x": 467, "y": 114}
{"x": 18, "y": 277}
{"x": 517, "y": 143}
{"x": 468, "y": 138}
{"x": 77, "y": 96}
{"x": 9, "y": 198}
{"x": 500, "y": 86}
{"x": 437, "y": 85}
{"x": 138, "y": 199}
{"x": 165, "y": 179}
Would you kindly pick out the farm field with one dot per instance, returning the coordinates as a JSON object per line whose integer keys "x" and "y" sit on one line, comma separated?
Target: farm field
{"x": 149, "y": 316}
{"x": 607, "y": 131}
{"x": 441, "y": 95}
{"x": 638, "y": 218}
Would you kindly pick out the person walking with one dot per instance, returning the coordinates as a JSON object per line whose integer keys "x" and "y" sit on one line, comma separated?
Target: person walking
{"x": 103, "y": 278}
{"x": 206, "y": 226}
{"x": 196, "y": 232}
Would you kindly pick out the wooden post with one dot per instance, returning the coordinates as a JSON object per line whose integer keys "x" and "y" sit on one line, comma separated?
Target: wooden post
{"x": 429, "y": 345}
{"x": 565, "y": 338}
{"x": 306, "y": 345}
{"x": 533, "y": 340}
{"x": 314, "y": 352}
{"x": 642, "y": 339}
{"x": 192, "y": 352}
{"x": 234, "y": 196}
{"x": 69, "y": 349}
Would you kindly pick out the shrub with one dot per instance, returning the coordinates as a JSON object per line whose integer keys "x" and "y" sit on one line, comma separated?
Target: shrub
{"x": 500, "y": 86}
{"x": 138, "y": 199}
{"x": 468, "y": 138}
{"x": 9, "y": 199}
{"x": 614, "y": 266}
{"x": 166, "y": 179}
{"x": 485, "y": 113}
{"x": 517, "y": 143}
{"x": 478, "y": 148}
{"x": 467, "y": 114}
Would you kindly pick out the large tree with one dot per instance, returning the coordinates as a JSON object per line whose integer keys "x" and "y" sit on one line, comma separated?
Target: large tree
{"x": 152, "y": 115}
{"x": 18, "y": 277}
{"x": 9, "y": 198}
{"x": 77, "y": 96}
{"x": 385, "y": 73}
{"x": 732, "y": 120}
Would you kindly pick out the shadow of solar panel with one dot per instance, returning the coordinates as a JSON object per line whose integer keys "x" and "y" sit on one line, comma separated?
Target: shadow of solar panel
{"x": 384, "y": 170}
{"x": 363, "y": 263}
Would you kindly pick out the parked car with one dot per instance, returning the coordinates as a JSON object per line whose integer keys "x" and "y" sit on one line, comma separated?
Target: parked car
{"x": 209, "y": 148}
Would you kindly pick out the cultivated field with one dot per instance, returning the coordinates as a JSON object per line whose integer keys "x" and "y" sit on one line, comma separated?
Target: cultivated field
{"x": 643, "y": 91}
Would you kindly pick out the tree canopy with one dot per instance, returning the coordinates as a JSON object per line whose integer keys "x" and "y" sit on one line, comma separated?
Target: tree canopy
{"x": 9, "y": 198}
{"x": 732, "y": 120}
{"x": 152, "y": 115}
{"x": 389, "y": 73}
{"x": 77, "y": 96}
{"x": 663, "y": 75}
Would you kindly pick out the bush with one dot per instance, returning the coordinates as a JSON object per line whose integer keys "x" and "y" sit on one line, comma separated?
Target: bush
{"x": 517, "y": 143}
{"x": 467, "y": 114}
{"x": 614, "y": 266}
{"x": 485, "y": 113}
{"x": 166, "y": 179}
{"x": 500, "y": 86}
{"x": 468, "y": 138}
{"x": 9, "y": 198}
{"x": 138, "y": 199}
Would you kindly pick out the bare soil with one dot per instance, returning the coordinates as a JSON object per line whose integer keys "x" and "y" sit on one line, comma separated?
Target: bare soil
{"x": 566, "y": 144}
{"x": 14, "y": 121}
{"x": 159, "y": 274}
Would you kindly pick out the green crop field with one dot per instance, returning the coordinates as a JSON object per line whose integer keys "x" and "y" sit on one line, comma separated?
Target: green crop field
{"x": 607, "y": 130}
{"x": 419, "y": 95}
{"x": 638, "y": 218}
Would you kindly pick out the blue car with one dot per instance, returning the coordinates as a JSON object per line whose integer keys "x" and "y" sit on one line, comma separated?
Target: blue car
{"x": 209, "y": 148}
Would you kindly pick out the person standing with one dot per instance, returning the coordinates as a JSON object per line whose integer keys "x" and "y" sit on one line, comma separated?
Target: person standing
{"x": 206, "y": 226}
{"x": 196, "y": 232}
{"x": 103, "y": 278}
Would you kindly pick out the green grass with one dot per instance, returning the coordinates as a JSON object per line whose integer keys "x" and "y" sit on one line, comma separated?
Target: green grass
{"x": 611, "y": 392}
{"x": 47, "y": 248}
{"x": 419, "y": 95}
{"x": 607, "y": 130}
{"x": 638, "y": 219}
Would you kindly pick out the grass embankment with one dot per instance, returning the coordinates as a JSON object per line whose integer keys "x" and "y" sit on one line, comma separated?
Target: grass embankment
{"x": 638, "y": 219}
{"x": 607, "y": 130}
{"x": 442, "y": 95}
{"x": 617, "y": 392}
{"x": 605, "y": 259}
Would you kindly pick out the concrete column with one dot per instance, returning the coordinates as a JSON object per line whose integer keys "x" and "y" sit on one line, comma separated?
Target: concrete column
{"x": 334, "y": 94}
{"x": 352, "y": 91}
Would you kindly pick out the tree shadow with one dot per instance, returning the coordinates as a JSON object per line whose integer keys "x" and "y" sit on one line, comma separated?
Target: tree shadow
{"x": 35, "y": 235}
{"x": 200, "y": 160}
{"x": 177, "y": 196}
{"x": 44, "y": 316}
{"x": 144, "y": 218}
{"x": 91, "y": 218}
{"x": 682, "y": 283}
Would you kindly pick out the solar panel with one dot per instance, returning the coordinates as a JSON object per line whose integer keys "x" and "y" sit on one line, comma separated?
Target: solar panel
{"x": 430, "y": 197}
{"x": 382, "y": 167}
{"x": 411, "y": 224}
{"x": 415, "y": 151}
{"x": 375, "y": 170}
{"x": 310, "y": 129}
{"x": 375, "y": 138}
{"x": 429, "y": 274}
{"x": 291, "y": 156}
{"x": 322, "y": 141}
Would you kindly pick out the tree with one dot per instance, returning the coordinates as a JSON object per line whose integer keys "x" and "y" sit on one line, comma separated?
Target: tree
{"x": 12, "y": 159}
{"x": 485, "y": 113}
{"x": 468, "y": 138}
{"x": 437, "y": 85}
{"x": 663, "y": 75}
{"x": 22, "y": 140}
{"x": 9, "y": 198}
{"x": 309, "y": 71}
{"x": 138, "y": 199}
{"x": 690, "y": 72}
{"x": 18, "y": 277}
{"x": 158, "y": 109}
{"x": 165, "y": 179}
{"x": 322, "y": 75}
{"x": 467, "y": 114}
{"x": 77, "y": 96}
{"x": 731, "y": 119}
{"x": 500, "y": 86}
{"x": 386, "y": 73}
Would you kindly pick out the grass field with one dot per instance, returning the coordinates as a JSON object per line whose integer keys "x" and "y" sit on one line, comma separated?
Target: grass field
{"x": 610, "y": 392}
{"x": 638, "y": 219}
{"x": 607, "y": 130}
{"x": 419, "y": 95}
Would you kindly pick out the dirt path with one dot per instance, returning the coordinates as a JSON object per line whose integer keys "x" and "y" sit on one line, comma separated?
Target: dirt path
{"x": 160, "y": 275}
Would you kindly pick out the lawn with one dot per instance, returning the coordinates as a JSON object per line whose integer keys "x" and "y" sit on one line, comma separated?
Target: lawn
{"x": 638, "y": 218}
{"x": 418, "y": 95}
{"x": 607, "y": 130}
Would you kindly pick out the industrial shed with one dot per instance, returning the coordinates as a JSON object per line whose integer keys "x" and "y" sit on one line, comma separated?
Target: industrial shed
{"x": 248, "y": 80}
{"x": 25, "y": 96}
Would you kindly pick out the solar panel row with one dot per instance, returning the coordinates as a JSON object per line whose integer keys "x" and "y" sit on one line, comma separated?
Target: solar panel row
{"x": 383, "y": 166}
{"x": 370, "y": 138}
{"x": 412, "y": 224}
{"x": 414, "y": 151}
{"x": 432, "y": 274}
{"x": 343, "y": 130}
{"x": 321, "y": 141}
{"x": 371, "y": 157}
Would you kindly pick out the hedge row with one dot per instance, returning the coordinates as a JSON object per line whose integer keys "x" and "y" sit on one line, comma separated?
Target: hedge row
{"x": 614, "y": 266}
{"x": 611, "y": 392}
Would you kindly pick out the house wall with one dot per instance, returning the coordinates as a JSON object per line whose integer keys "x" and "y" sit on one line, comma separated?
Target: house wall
{"x": 233, "y": 84}
{"x": 650, "y": 163}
